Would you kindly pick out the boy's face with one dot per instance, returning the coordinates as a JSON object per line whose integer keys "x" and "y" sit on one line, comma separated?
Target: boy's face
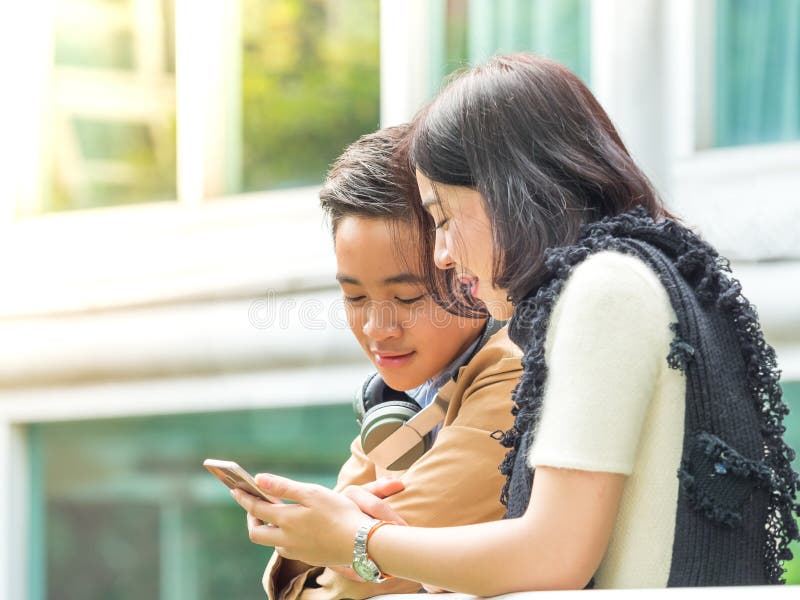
{"x": 405, "y": 334}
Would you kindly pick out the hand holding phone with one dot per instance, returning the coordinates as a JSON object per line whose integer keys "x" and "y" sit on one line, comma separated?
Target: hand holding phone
{"x": 235, "y": 477}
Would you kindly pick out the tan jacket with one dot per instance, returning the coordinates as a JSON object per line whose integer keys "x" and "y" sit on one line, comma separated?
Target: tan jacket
{"x": 456, "y": 482}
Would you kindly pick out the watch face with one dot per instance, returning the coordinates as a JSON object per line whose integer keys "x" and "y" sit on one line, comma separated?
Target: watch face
{"x": 366, "y": 569}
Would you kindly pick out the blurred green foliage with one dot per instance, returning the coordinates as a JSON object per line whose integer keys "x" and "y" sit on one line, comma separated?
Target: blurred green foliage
{"x": 311, "y": 85}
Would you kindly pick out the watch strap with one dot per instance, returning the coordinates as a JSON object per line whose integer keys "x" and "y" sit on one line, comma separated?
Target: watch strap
{"x": 372, "y": 530}
{"x": 362, "y": 564}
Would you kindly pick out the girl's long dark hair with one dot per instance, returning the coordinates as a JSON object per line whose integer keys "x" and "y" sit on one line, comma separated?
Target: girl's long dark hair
{"x": 528, "y": 135}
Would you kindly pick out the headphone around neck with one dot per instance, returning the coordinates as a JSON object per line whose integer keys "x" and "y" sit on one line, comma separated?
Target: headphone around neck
{"x": 381, "y": 411}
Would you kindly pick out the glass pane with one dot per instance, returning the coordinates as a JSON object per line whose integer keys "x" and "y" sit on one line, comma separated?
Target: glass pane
{"x": 100, "y": 140}
{"x": 127, "y": 511}
{"x": 474, "y": 30}
{"x": 110, "y": 127}
{"x": 310, "y": 86}
{"x": 90, "y": 47}
{"x": 757, "y": 71}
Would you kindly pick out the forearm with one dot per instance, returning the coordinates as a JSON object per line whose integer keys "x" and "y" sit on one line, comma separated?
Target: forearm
{"x": 557, "y": 544}
{"x": 485, "y": 559}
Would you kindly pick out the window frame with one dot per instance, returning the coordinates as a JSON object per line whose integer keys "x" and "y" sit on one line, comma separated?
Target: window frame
{"x": 697, "y": 170}
{"x": 664, "y": 120}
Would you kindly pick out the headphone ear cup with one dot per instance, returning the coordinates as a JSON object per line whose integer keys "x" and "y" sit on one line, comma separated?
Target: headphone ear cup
{"x": 367, "y": 396}
{"x": 382, "y": 421}
{"x": 374, "y": 392}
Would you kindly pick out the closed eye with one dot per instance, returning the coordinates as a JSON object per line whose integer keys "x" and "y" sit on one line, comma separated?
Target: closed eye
{"x": 442, "y": 224}
{"x": 410, "y": 300}
{"x": 353, "y": 299}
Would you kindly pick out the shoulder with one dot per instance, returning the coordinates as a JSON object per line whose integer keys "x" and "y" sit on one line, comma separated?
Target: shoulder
{"x": 605, "y": 352}
{"x": 614, "y": 275}
{"x": 484, "y": 386}
{"x": 498, "y": 354}
{"x": 616, "y": 287}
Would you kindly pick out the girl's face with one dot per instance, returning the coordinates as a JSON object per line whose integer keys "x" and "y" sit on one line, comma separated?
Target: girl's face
{"x": 464, "y": 241}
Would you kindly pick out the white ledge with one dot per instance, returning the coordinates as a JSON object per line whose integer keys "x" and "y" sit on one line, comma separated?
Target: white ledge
{"x": 164, "y": 253}
{"x": 261, "y": 333}
{"x": 707, "y": 593}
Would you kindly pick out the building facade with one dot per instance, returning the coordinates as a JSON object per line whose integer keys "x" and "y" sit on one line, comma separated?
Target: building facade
{"x": 168, "y": 290}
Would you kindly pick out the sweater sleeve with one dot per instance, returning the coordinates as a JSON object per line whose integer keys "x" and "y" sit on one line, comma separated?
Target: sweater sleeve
{"x": 605, "y": 349}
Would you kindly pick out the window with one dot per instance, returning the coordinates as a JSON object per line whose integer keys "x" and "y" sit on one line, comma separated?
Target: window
{"x": 310, "y": 86}
{"x": 260, "y": 94}
{"x": 474, "y": 30}
{"x": 757, "y": 72}
{"x": 110, "y": 128}
{"x": 124, "y": 509}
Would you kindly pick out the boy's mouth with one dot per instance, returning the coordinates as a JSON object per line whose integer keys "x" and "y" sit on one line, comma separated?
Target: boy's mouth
{"x": 392, "y": 359}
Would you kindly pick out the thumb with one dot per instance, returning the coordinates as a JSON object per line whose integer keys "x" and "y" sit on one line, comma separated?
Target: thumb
{"x": 285, "y": 488}
{"x": 372, "y": 505}
{"x": 384, "y": 487}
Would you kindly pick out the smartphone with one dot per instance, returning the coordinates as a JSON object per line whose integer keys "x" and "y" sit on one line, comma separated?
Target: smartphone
{"x": 234, "y": 476}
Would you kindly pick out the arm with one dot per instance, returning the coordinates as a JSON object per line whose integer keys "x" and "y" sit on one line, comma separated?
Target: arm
{"x": 558, "y": 543}
{"x": 604, "y": 359}
{"x": 457, "y": 482}
{"x": 440, "y": 488}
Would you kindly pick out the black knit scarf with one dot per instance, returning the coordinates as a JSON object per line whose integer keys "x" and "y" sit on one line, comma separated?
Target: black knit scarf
{"x": 738, "y": 492}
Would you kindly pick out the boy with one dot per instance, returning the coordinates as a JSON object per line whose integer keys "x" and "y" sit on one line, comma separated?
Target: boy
{"x": 417, "y": 347}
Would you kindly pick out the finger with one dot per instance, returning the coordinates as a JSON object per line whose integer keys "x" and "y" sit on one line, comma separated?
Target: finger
{"x": 374, "y": 506}
{"x": 264, "y": 535}
{"x": 253, "y": 522}
{"x": 248, "y": 502}
{"x": 288, "y": 489}
{"x": 265, "y": 511}
{"x": 384, "y": 487}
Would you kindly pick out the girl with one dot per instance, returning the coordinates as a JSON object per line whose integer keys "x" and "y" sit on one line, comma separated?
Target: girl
{"x": 642, "y": 360}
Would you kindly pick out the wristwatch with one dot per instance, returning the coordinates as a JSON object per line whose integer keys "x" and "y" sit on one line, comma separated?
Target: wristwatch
{"x": 363, "y": 565}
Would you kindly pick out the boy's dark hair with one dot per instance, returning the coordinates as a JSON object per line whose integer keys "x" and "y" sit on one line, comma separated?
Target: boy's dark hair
{"x": 373, "y": 179}
{"x": 528, "y": 135}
